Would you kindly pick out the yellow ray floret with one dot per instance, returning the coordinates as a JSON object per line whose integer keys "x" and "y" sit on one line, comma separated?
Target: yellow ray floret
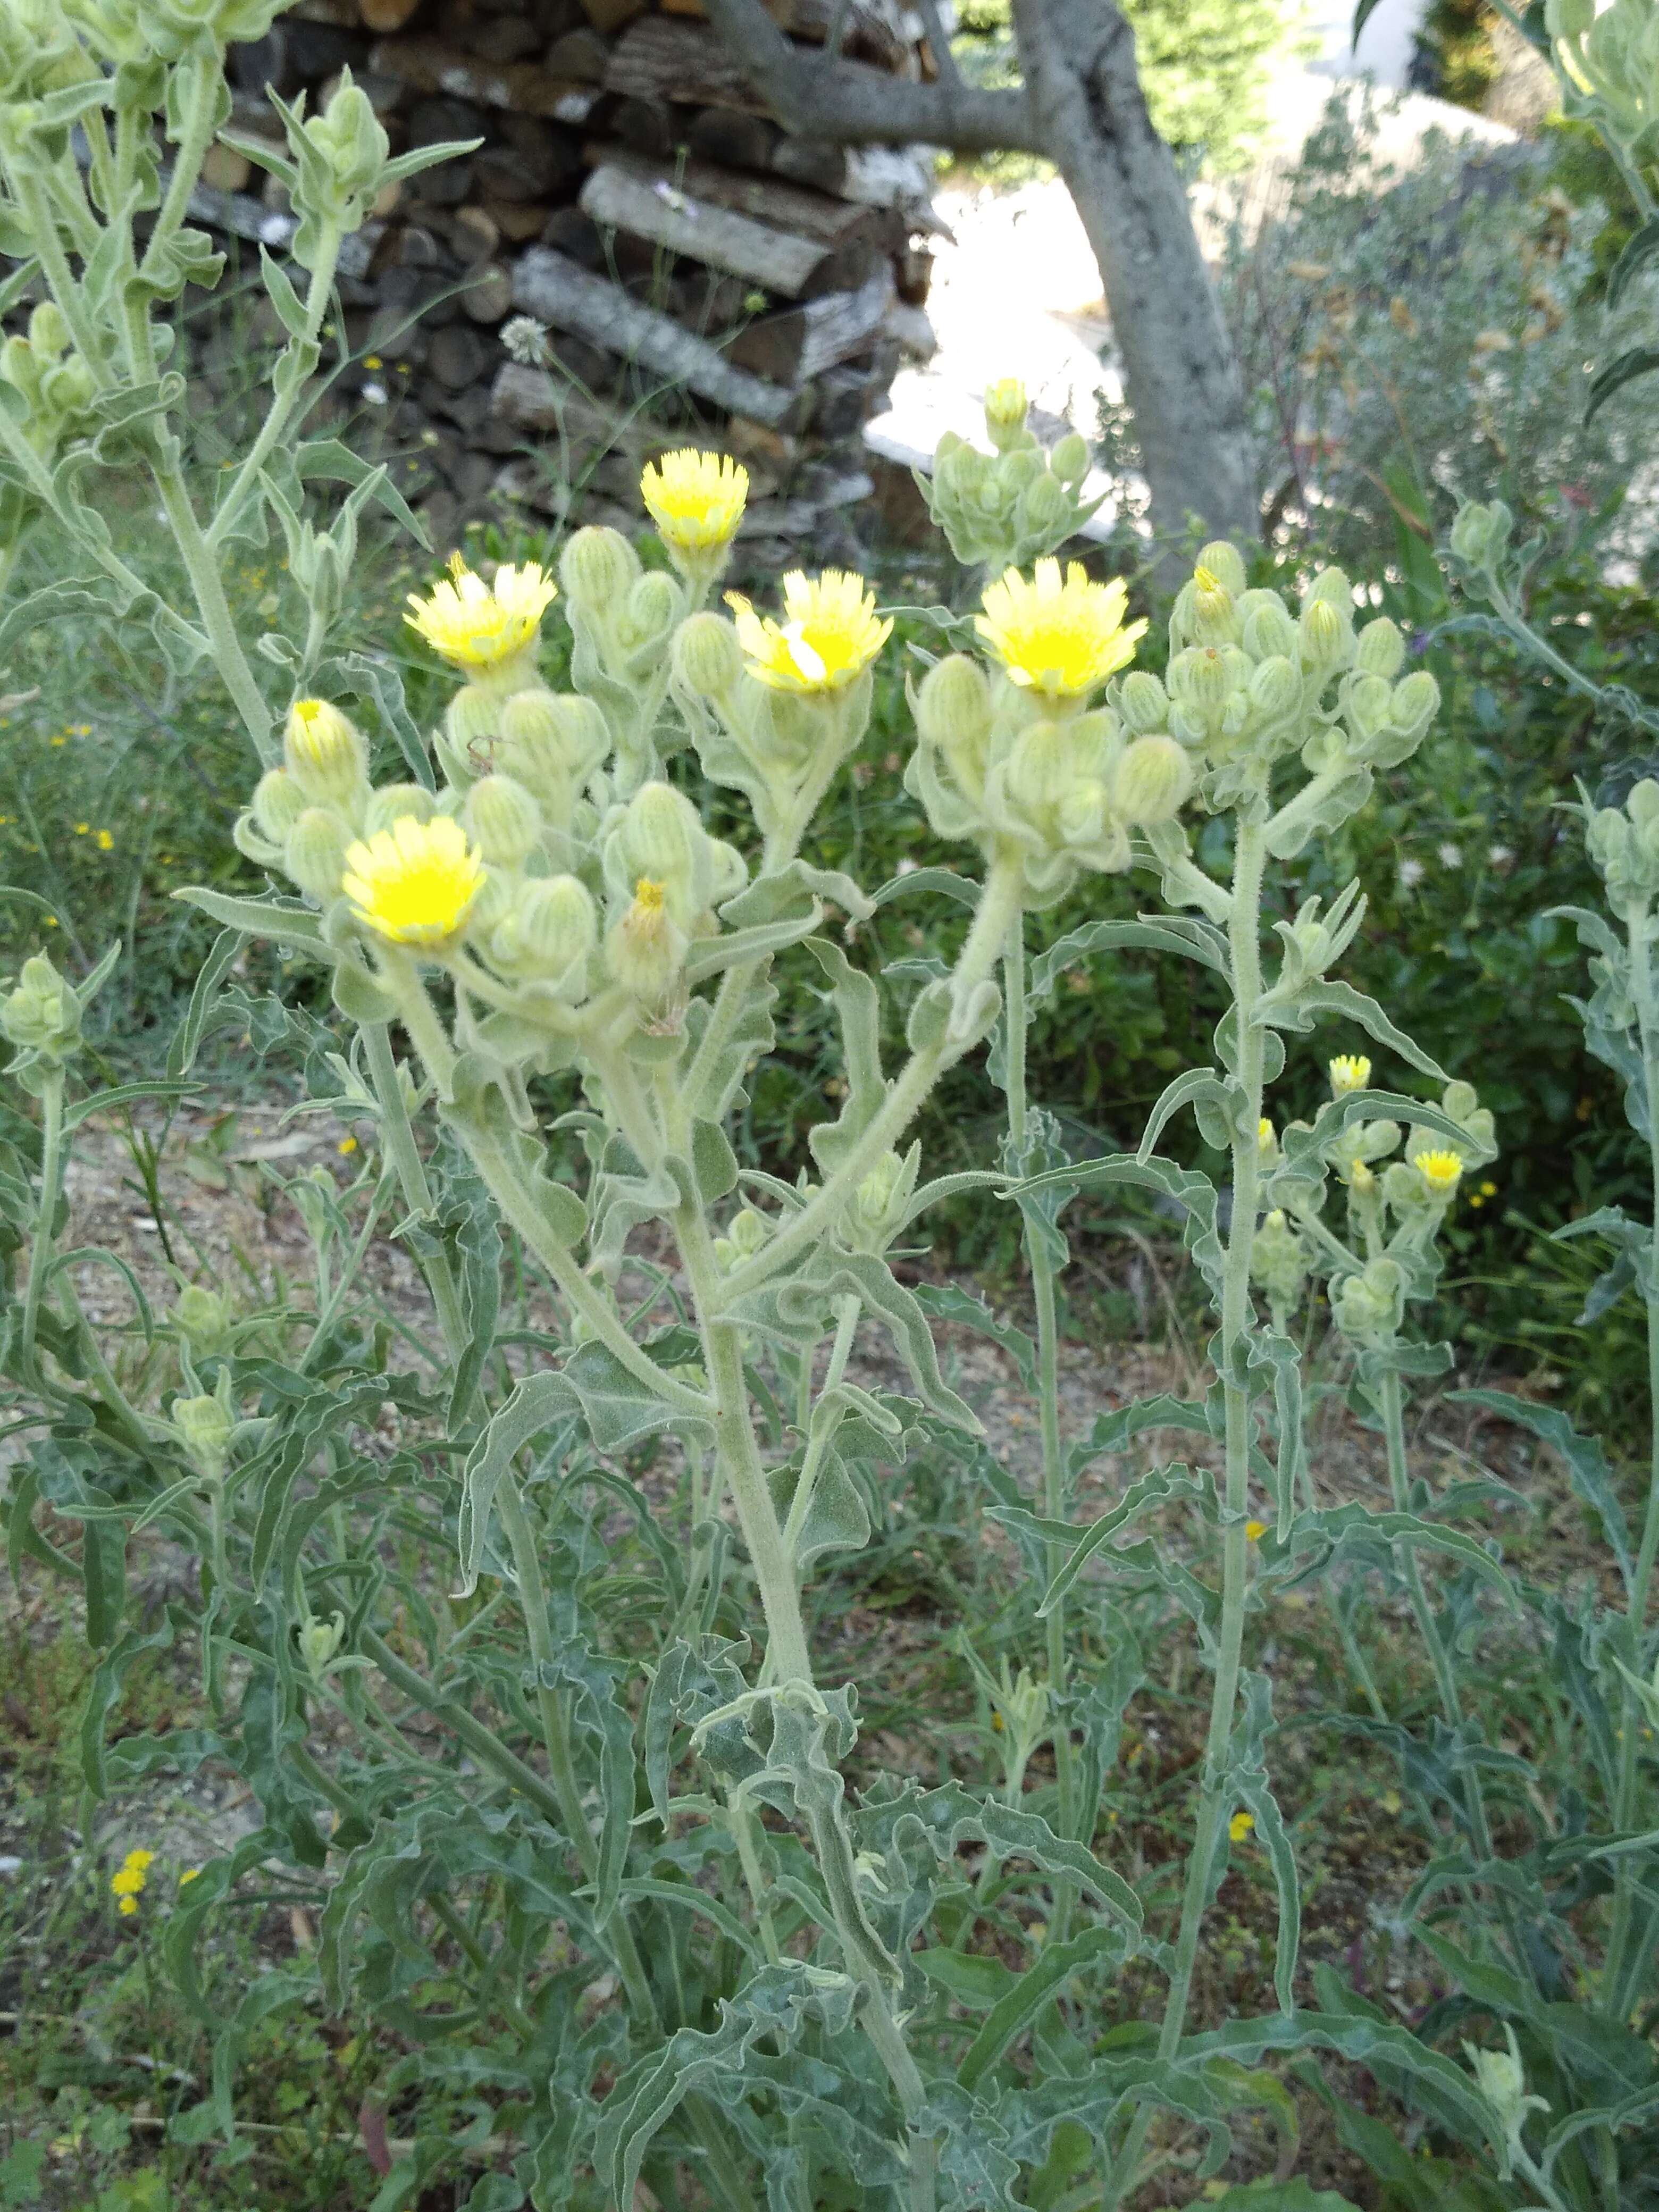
{"x": 476, "y": 626}
{"x": 831, "y": 637}
{"x": 1349, "y": 1071}
{"x": 415, "y": 883}
{"x": 1442, "y": 1171}
{"x": 696, "y": 499}
{"x": 1060, "y": 636}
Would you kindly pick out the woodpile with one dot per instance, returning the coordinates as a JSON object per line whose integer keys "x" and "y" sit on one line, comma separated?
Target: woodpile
{"x": 688, "y": 269}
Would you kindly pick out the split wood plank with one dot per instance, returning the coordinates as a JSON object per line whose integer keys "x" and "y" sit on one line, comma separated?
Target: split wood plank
{"x": 661, "y": 212}
{"x": 798, "y": 345}
{"x": 784, "y": 206}
{"x": 522, "y": 88}
{"x": 560, "y": 293}
{"x": 659, "y": 59}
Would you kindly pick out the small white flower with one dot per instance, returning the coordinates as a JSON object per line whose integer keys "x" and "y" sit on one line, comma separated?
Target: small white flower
{"x": 373, "y": 395}
{"x": 525, "y": 340}
{"x": 1411, "y": 874}
{"x": 1499, "y": 856}
{"x": 1450, "y": 855}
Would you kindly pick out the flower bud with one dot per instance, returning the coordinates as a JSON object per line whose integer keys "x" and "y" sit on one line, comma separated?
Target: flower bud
{"x": 1069, "y": 460}
{"x": 1480, "y": 534}
{"x": 1275, "y": 688}
{"x": 1210, "y": 611}
{"x": 1415, "y": 703}
{"x": 1325, "y": 635}
{"x": 1382, "y": 648}
{"x": 1332, "y": 585}
{"x": 644, "y": 949}
{"x": 1143, "y": 702}
{"x": 203, "y": 1427}
{"x": 1084, "y": 819}
{"x": 746, "y": 1233}
{"x": 1270, "y": 631}
{"x": 953, "y": 703}
{"x": 1372, "y": 1304}
{"x": 319, "y": 1641}
{"x": 1226, "y": 564}
{"x": 315, "y": 854}
{"x": 660, "y": 837}
{"x": 384, "y": 807}
{"x": 325, "y": 755}
{"x": 1153, "y": 780}
{"x": 1642, "y": 803}
{"x": 43, "y": 1014}
{"x": 1203, "y": 678}
{"x": 504, "y": 820}
{"x": 599, "y": 570}
{"x": 1041, "y": 767}
{"x": 655, "y": 604}
{"x": 872, "y": 1216}
{"x": 1044, "y": 505}
{"x": 551, "y": 742}
{"x": 278, "y": 802}
{"x": 349, "y": 136}
{"x": 708, "y": 658}
{"x": 550, "y": 926}
{"x": 49, "y": 333}
{"x": 202, "y": 1318}
{"x": 1006, "y": 410}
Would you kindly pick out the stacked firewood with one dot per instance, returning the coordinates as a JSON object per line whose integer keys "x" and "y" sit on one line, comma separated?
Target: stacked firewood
{"x": 635, "y": 254}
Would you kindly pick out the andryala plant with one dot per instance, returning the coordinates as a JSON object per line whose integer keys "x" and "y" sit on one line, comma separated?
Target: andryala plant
{"x": 628, "y": 1890}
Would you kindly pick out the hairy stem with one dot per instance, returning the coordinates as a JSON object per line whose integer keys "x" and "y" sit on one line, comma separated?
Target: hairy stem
{"x": 51, "y": 1171}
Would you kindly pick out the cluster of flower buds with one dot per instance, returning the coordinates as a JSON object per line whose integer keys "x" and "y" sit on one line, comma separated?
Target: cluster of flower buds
{"x": 1005, "y": 509}
{"x": 204, "y": 1426}
{"x": 39, "y": 50}
{"x": 1249, "y": 683}
{"x": 1279, "y": 1265}
{"x": 622, "y": 619}
{"x": 663, "y": 875}
{"x": 1018, "y": 760}
{"x": 881, "y": 1204}
{"x": 1480, "y": 537}
{"x": 1624, "y": 844}
{"x": 55, "y": 384}
{"x": 168, "y": 30}
{"x": 41, "y": 1015}
{"x": 1608, "y": 63}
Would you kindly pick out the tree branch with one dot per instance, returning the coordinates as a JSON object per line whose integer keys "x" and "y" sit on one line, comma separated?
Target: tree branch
{"x": 850, "y": 104}
{"x": 944, "y": 62}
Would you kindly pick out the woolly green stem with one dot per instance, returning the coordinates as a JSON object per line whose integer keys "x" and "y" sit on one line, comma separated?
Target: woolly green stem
{"x": 51, "y": 1171}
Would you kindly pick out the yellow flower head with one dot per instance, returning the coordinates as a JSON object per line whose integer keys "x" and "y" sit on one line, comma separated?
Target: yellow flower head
{"x": 476, "y": 626}
{"x": 1349, "y": 1071}
{"x": 1442, "y": 1171}
{"x": 127, "y": 1882}
{"x": 1267, "y": 1137}
{"x": 831, "y": 637}
{"x": 128, "y": 1906}
{"x": 189, "y": 1874}
{"x": 1062, "y": 638}
{"x": 648, "y": 897}
{"x": 1005, "y": 404}
{"x": 1241, "y": 1826}
{"x": 1360, "y": 1177}
{"x": 415, "y": 883}
{"x": 141, "y": 1859}
{"x": 696, "y": 500}
{"x": 1255, "y": 1530}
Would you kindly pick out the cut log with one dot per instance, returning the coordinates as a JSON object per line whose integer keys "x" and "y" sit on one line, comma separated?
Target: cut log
{"x": 864, "y": 36}
{"x": 521, "y": 88}
{"x": 793, "y": 347}
{"x": 720, "y": 135}
{"x": 558, "y": 292}
{"x": 833, "y": 222}
{"x": 776, "y": 259}
{"x": 658, "y": 59}
{"x": 386, "y": 16}
{"x": 880, "y": 176}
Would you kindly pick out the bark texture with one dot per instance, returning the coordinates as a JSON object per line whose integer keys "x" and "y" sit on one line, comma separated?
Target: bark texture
{"x": 1180, "y": 372}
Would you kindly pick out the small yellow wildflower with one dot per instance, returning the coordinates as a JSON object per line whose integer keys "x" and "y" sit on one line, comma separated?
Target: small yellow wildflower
{"x": 82, "y": 829}
{"x": 1255, "y": 1530}
{"x": 346, "y": 1144}
{"x": 830, "y": 638}
{"x": 1005, "y": 403}
{"x": 127, "y": 1907}
{"x": 1059, "y": 637}
{"x": 189, "y": 1874}
{"x": 1360, "y": 1177}
{"x": 1489, "y": 1190}
{"x": 1349, "y": 1071}
{"x": 104, "y": 842}
{"x": 1442, "y": 1171}
{"x": 696, "y": 499}
{"x": 79, "y": 729}
{"x": 475, "y": 626}
{"x": 415, "y": 883}
{"x": 1240, "y": 1826}
{"x": 372, "y": 361}
{"x": 127, "y": 1882}
{"x": 141, "y": 1859}
{"x": 1266, "y": 1136}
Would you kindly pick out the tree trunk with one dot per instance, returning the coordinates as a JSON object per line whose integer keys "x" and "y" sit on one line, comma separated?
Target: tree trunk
{"x": 1180, "y": 374}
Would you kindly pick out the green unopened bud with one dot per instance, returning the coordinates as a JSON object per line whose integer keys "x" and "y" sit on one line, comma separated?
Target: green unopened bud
{"x": 1041, "y": 767}
{"x": 1208, "y": 610}
{"x": 278, "y": 802}
{"x": 655, "y": 605}
{"x": 1275, "y": 688}
{"x": 552, "y": 742}
{"x": 397, "y": 799}
{"x": 1069, "y": 460}
{"x": 48, "y": 333}
{"x": 1642, "y": 803}
{"x": 1382, "y": 647}
{"x": 1502, "y": 2080}
{"x": 1270, "y": 631}
{"x": 876, "y": 1211}
{"x": 746, "y": 1233}
{"x": 1325, "y": 635}
{"x": 708, "y": 658}
{"x": 342, "y": 160}
{"x": 953, "y": 703}
{"x": 549, "y": 926}
{"x": 315, "y": 854}
{"x": 1044, "y": 505}
{"x": 1480, "y": 534}
{"x": 319, "y": 1641}
{"x": 1372, "y": 1304}
{"x": 325, "y": 755}
{"x": 504, "y": 820}
{"x": 203, "y": 1318}
{"x": 42, "y": 1013}
{"x": 644, "y": 949}
{"x": 203, "y": 1427}
{"x": 599, "y": 570}
{"x": 1415, "y": 703}
{"x": 662, "y": 836}
{"x": 1204, "y": 677}
{"x": 1153, "y": 780}
{"x": 1142, "y": 700}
